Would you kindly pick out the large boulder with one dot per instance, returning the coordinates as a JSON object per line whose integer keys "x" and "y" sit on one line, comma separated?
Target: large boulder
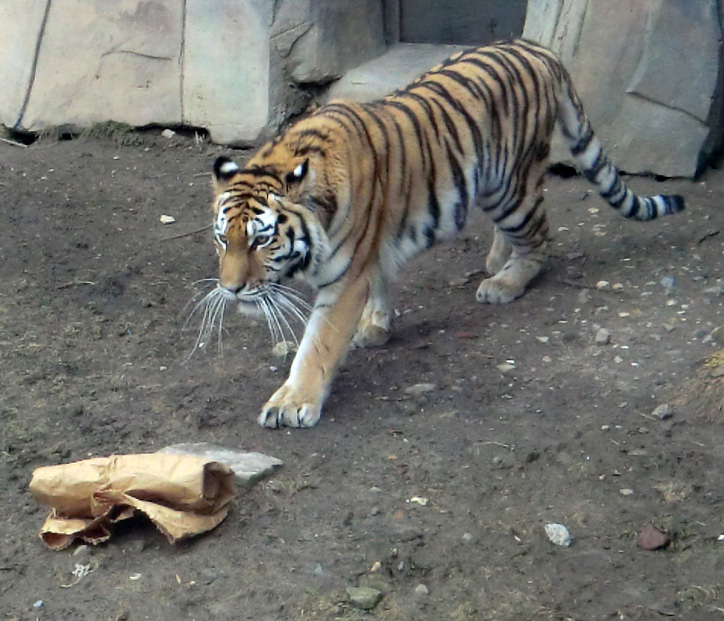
{"x": 80, "y": 62}
{"x": 238, "y": 69}
{"x": 646, "y": 72}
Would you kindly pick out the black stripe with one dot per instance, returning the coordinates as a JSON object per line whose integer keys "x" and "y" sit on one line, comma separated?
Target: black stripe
{"x": 427, "y": 108}
{"x": 433, "y": 206}
{"x": 612, "y": 189}
{"x": 619, "y": 201}
{"x": 449, "y": 125}
{"x": 461, "y": 207}
{"x": 583, "y": 140}
{"x": 482, "y": 63}
{"x": 314, "y": 133}
{"x": 591, "y": 173}
{"x": 458, "y": 106}
{"x": 526, "y": 219}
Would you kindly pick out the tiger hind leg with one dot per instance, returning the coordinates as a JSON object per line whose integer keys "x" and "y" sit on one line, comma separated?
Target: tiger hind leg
{"x": 519, "y": 249}
{"x": 374, "y": 326}
{"x": 499, "y": 252}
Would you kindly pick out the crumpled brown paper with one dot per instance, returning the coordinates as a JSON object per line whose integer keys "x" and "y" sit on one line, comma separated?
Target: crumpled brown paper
{"x": 181, "y": 494}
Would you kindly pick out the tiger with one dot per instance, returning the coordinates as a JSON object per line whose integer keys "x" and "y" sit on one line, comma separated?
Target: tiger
{"x": 345, "y": 196}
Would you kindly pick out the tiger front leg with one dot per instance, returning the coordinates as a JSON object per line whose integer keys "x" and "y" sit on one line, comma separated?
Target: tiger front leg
{"x": 298, "y": 402}
{"x": 374, "y": 326}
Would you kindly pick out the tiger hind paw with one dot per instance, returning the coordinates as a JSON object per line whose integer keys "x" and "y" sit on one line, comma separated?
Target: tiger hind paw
{"x": 493, "y": 291}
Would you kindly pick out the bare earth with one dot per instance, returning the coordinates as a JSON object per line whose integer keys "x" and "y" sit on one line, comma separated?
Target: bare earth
{"x": 528, "y": 421}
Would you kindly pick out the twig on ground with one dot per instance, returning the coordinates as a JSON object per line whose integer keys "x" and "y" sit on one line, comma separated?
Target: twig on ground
{"x": 187, "y": 233}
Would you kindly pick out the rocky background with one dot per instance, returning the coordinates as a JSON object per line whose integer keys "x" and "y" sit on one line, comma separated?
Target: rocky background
{"x": 647, "y": 71}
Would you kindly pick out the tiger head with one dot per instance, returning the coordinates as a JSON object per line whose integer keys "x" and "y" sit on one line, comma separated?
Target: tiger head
{"x": 261, "y": 233}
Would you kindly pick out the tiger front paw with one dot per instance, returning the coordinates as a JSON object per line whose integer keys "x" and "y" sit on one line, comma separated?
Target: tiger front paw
{"x": 289, "y": 407}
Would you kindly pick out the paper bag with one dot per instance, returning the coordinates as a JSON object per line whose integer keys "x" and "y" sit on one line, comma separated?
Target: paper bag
{"x": 181, "y": 494}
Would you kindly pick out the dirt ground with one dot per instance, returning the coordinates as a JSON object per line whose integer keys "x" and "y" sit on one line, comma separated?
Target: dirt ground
{"x": 528, "y": 420}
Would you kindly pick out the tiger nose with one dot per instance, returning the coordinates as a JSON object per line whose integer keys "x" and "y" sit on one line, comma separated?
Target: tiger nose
{"x": 231, "y": 292}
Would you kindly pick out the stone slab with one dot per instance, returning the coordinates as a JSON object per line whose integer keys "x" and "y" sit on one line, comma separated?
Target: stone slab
{"x": 226, "y": 68}
{"x": 682, "y": 46}
{"x": 394, "y": 69}
{"x": 100, "y": 61}
{"x": 248, "y": 467}
{"x": 18, "y": 54}
{"x": 646, "y": 72}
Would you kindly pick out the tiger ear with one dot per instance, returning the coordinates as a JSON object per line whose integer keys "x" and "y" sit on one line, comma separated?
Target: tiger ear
{"x": 224, "y": 170}
{"x": 298, "y": 173}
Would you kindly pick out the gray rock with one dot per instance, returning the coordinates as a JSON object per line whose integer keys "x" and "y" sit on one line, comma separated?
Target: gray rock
{"x": 667, "y": 282}
{"x": 420, "y": 389}
{"x": 558, "y": 534}
{"x": 659, "y": 89}
{"x": 603, "y": 337}
{"x": 421, "y": 590}
{"x": 248, "y": 467}
{"x": 663, "y": 411}
{"x": 397, "y": 67}
{"x": 365, "y": 598}
{"x": 121, "y": 62}
{"x": 717, "y": 334}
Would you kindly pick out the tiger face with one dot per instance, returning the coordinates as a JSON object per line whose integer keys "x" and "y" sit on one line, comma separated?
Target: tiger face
{"x": 261, "y": 237}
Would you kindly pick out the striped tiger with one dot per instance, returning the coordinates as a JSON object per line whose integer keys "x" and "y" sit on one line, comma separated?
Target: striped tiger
{"x": 344, "y": 197}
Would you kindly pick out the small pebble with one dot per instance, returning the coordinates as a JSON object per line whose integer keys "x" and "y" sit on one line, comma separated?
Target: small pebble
{"x": 717, "y": 334}
{"x": 663, "y": 411}
{"x": 667, "y": 282}
{"x": 603, "y": 337}
{"x": 626, "y": 491}
{"x": 421, "y": 590}
{"x": 38, "y": 604}
{"x": 420, "y": 389}
{"x": 365, "y": 598}
{"x": 602, "y": 284}
{"x": 282, "y": 349}
{"x": 653, "y": 538}
{"x": 558, "y": 535}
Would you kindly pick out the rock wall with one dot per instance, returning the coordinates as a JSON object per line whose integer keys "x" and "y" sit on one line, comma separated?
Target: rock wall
{"x": 236, "y": 68}
{"x": 645, "y": 70}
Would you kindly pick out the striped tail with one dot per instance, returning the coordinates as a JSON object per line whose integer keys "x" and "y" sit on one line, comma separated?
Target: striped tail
{"x": 598, "y": 169}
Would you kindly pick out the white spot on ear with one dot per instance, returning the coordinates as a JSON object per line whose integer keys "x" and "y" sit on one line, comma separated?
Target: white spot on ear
{"x": 298, "y": 171}
{"x": 229, "y": 168}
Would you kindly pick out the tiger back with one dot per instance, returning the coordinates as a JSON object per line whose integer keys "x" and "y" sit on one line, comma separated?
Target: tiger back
{"x": 346, "y": 196}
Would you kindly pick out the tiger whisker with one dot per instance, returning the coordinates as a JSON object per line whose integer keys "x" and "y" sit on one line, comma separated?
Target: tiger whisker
{"x": 214, "y": 305}
{"x": 193, "y": 299}
{"x": 288, "y": 305}
{"x": 274, "y": 327}
{"x": 219, "y": 314}
{"x": 280, "y": 313}
{"x": 288, "y": 292}
{"x": 213, "y": 292}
